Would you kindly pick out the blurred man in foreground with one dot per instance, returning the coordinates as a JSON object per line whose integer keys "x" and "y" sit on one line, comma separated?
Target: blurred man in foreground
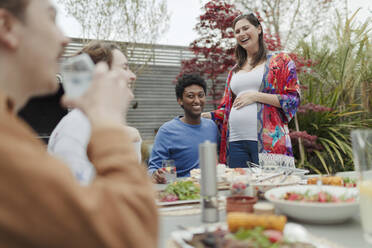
{"x": 42, "y": 204}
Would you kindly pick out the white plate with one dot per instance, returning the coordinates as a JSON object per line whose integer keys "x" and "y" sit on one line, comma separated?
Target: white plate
{"x": 292, "y": 232}
{"x": 221, "y": 198}
{"x": 323, "y": 213}
{"x": 173, "y": 203}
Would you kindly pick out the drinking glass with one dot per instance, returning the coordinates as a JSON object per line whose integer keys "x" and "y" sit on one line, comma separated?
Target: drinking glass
{"x": 77, "y": 74}
{"x": 169, "y": 170}
{"x": 362, "y": 153}
{"x": 238, "y": 185}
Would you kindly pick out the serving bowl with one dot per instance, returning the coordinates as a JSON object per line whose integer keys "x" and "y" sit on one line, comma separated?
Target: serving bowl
{"x": 315, "y": 212}
{"x": 260, "y": 188}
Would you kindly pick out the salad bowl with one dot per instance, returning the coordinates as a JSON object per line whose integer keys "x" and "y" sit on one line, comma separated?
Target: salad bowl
{"x": 315, "y": 204}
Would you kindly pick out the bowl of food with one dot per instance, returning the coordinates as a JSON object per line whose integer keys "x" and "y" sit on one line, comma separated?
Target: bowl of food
{"x": 344, "y": 179}
{"x": 239, "y": 203}
{"x": 326, "y": 180}
{"x": 315, "y": 204}
{"x": 195, "y": 174}
{"x": 350, "y": 178}
{"x": 179, "y": 192}
{"x": 263, "y": 182}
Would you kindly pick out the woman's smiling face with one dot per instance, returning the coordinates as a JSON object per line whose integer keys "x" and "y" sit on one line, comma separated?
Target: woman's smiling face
{"x": 247, "y": 34}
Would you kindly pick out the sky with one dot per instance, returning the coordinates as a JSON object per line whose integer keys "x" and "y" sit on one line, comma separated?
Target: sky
{"x": 184, "y": 16}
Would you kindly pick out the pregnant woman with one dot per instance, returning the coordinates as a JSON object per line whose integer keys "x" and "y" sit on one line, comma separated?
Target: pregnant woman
{"x": 261, "y": 96}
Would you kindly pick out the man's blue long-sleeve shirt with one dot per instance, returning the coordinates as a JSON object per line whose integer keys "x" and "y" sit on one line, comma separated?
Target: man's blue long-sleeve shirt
{"x": 179, "y": 141}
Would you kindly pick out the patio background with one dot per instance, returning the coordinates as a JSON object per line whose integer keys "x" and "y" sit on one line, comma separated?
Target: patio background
{"x": 154, "y": 90}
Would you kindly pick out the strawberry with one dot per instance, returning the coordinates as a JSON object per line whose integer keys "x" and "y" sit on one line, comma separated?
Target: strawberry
{"x": 322, "y": 197}
{"x": 293, "y": 197}
{"x": 169, "y": 198}
{"x": 273, "y": 235}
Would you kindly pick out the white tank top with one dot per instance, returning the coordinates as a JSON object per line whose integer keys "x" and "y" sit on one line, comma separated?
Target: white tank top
{"x": 243, "y": 122}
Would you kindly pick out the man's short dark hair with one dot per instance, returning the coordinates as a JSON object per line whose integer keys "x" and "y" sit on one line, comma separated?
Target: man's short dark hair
{"x": 189, "y": 79}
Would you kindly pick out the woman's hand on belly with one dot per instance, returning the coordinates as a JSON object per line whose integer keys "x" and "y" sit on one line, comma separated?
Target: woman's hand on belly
{"x": 245, "y": 99}
{"x": 207, "y": 115}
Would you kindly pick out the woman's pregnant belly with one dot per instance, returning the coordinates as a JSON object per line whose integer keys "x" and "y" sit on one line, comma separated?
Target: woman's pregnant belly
{"x": 243, "y": 123}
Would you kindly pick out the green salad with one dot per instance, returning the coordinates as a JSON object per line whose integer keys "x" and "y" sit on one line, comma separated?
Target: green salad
{"x": 180, "y": 190}
{"x": 258, "y": 237}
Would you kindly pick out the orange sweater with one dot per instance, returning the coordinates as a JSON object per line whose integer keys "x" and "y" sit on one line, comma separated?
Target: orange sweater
{"x": 42, "y": 205}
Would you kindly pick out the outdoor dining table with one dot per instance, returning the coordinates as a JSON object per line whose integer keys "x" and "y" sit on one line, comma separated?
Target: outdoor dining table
{"x": 345, "y": 235}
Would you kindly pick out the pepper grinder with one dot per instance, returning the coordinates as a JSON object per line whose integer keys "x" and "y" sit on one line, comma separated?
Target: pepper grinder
{"x": 208, "y": 166}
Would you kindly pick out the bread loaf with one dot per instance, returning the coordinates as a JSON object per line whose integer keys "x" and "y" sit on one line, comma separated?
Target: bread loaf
{"x": 335, "y": 181}
{"x": 237, "y": 220}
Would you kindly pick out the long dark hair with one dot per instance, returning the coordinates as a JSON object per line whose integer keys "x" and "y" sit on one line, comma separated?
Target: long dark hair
{"x": 240, "y": 52}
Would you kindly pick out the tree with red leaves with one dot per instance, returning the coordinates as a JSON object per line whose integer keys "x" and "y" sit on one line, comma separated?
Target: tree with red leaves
{"x": 215, "y": 47}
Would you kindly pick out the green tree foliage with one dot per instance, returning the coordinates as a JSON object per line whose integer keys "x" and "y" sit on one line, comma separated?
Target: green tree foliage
{"x": 337, "y": 96}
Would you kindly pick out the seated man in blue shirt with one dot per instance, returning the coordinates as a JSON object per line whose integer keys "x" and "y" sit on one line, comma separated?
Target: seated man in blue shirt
{"x": 179, "y": 138}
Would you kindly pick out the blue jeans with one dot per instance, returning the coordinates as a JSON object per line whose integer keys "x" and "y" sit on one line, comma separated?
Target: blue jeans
{"x": 242, "y": 151}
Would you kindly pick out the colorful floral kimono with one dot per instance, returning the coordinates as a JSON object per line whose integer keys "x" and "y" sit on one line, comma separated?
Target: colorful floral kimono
{"x": 274, "y": 143}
